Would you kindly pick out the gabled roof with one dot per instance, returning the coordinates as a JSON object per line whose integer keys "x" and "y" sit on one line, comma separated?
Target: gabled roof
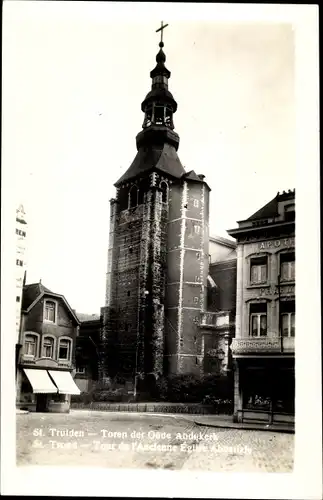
{"x": 87, "y": 317}
{"x": 36, "y": 291}
{"x": 191, "y": 175}
{"x": 31, "y": 292}
{"x": 271, "y": 208}
{"x": 267, "y": 211}
{"x": 164, "y": 159}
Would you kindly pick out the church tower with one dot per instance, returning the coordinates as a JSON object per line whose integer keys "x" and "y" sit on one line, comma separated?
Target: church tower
{"x": 158, "y": 252}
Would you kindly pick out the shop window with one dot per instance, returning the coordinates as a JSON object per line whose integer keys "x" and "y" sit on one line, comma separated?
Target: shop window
{"x": 287, "y": 318}
{"x": 287, "y": 266}
{"x": 48, "y": 347}
{"x": 258, "y": 270}
{"x": 30, "y": 345}
{"x": 64, "y": 349}
{"x": 258, "y": 320}
{"x": 50, "y": 311}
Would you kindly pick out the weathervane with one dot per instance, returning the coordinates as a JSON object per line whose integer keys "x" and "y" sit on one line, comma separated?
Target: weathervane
{"x": 162, "y": 27}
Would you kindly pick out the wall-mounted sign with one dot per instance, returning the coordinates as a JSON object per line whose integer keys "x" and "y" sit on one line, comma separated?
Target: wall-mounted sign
{"x": 273, "y": 290}
{"x": 285, "y": 242}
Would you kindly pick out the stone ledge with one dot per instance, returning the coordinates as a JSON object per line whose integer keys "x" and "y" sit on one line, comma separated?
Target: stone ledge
{"x": 190, "y": 408}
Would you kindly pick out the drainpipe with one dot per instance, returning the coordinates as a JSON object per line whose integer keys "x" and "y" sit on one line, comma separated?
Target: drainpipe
{"x": 279, "y": 317}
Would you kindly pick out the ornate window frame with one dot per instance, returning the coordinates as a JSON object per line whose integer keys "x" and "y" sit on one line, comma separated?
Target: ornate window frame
{"x": 258, "y": 255}
{"x": 34, "y": 334}
{"x": 64, "y": 337}
{"x": 44, "y": 337}
{"x": 55, "y": 302}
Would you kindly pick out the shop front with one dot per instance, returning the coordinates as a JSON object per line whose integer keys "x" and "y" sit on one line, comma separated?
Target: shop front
{"x": 46, "y": 390}
{"x": 265, "y": 390}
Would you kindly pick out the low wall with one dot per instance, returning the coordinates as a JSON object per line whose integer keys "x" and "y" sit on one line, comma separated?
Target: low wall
{"x": 192, "y": 408}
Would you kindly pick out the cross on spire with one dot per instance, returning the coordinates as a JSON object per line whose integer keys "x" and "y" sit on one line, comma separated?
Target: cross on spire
{"x": 162, "y": 27}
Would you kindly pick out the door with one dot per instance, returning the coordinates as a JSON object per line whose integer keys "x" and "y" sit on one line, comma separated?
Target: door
{"x": 42, "y": 403}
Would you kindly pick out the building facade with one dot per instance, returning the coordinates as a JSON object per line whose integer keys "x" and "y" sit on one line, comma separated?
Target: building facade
{"x": 87, "y": 351}
{"x": 21, "y": 235}
{"x": 263, "y": 349}
{"x": 48, "y": 333}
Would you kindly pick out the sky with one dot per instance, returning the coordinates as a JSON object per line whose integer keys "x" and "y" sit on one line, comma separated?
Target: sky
{"x": 75, "y": 76}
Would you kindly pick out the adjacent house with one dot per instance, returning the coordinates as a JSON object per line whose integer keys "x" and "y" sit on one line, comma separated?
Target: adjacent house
{"x": 46, "y": 362}
{"x": 264, "y": 344}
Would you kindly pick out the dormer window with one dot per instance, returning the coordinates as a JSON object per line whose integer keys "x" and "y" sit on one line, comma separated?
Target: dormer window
{"x": 50, "y": 311}
{"x": 290, "y": 212}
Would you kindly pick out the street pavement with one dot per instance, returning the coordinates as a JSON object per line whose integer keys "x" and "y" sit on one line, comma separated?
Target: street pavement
{"x": 146, "y": 441}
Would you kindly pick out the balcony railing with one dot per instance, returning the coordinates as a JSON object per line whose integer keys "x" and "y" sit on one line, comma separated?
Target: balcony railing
{"x": 215, "y": 320}
{"x": 254, "y": 345}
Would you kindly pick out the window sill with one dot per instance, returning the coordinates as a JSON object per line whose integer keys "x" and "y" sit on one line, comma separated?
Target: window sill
{"x": 287, "y": 282}
{"x": 259, "y": 285}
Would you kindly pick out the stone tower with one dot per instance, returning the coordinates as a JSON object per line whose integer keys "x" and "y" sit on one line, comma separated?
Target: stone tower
{"x": 158, "y": 253}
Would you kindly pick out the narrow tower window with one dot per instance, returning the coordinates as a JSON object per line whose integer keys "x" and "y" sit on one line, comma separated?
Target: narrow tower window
{"x": 163, "y": 186}
{"x": 133, "y": 197}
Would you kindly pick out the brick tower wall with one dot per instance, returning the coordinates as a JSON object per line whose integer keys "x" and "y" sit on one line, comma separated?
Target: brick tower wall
{"x": 187, "y": 270}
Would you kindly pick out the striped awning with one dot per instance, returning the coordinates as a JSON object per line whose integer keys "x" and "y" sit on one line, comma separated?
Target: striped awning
{"x": 64, "y": 382}
{"x": 40, "y": 381}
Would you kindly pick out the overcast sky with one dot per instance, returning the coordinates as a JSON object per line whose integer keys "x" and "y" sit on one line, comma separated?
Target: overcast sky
{"x": 75, "y": 77}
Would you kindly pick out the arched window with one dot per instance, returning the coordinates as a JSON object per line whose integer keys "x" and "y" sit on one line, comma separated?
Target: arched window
{"x": 64, "y": 349}
{"x": 48, "y": 347}
{"x": 133, "y": 197}
{"x": 30, "y": 345}
{"x": 164, "y": 188}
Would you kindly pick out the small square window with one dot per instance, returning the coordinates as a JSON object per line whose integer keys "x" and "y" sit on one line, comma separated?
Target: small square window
{"x": 17, "y": 298}
{"x": 197, "y": 229}
{"x": 196, "y": 203}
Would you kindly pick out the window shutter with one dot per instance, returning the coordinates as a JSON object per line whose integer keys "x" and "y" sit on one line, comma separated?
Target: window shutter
{"x": 254, "y": 274}
{"x": 263, "y": 273}
{"x": 263, "y": 325}
{"x": 254, "y": 326}
{"x": 285, "y": 324}
{"x": 292, "y": 325}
